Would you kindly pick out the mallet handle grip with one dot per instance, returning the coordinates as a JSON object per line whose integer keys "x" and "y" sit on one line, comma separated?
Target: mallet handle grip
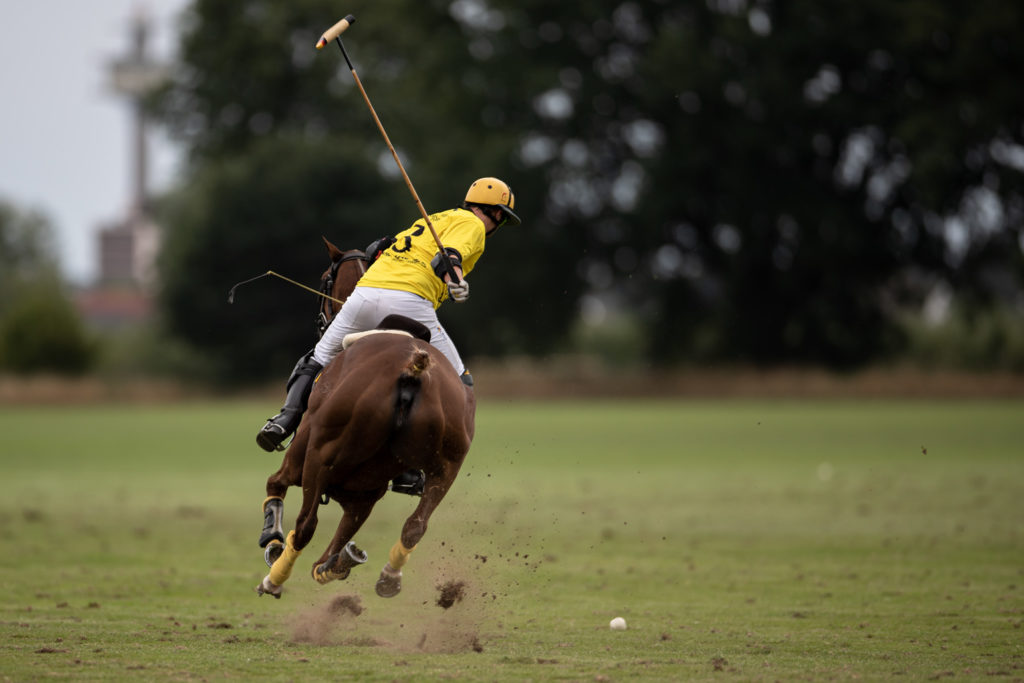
{"x": 335, "y": 31}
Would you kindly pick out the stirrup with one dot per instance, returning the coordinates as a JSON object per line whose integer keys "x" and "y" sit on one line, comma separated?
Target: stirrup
{"x": 410, "y": 483}
{"x": 272, "y": 437}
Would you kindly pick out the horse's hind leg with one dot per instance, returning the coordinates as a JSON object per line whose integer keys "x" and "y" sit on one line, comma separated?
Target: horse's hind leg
{"x": 342, "y": 555}
{"x": 390, "y": 582}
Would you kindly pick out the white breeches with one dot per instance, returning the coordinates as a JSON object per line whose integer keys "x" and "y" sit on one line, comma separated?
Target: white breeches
{"x": 367, "y": 306}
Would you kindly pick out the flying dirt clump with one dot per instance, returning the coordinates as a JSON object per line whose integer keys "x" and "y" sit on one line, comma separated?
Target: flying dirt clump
{"x": 451, "y": 592}
{"x": 321, "y": 625}
{"x": 346, "y": 604}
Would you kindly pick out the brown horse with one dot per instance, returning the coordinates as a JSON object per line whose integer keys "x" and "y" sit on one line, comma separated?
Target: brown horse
{"x": 388, "y": 403}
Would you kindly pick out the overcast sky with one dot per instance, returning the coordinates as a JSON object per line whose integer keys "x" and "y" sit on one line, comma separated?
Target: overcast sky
{"x": 64, "y": 135}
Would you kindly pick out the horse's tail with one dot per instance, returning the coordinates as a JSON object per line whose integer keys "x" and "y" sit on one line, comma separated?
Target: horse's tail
{"x": 409, "y": 385}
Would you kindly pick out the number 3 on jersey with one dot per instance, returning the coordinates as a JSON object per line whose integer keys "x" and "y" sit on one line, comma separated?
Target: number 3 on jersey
{"x": 407, "y": 244}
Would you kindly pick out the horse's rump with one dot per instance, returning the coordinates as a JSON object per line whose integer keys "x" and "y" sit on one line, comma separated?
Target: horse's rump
{"x": 383, "y": 407}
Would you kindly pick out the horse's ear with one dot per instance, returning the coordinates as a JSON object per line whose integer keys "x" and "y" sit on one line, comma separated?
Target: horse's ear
{"x": 334, "y": 252}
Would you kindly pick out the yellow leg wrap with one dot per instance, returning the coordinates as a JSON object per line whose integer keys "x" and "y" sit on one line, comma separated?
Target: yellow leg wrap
{"x": 282, "y": 568}
{"x": 399, "y": 554}
{"x": 270, "y": 498}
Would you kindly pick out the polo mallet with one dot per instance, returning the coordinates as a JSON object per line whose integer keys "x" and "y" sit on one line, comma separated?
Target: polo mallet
{"x": 334, "y": 33}
{"x": 231, "y": 292}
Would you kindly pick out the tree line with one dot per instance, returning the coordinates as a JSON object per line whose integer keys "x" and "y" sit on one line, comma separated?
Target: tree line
{"x": 742, "y": 181}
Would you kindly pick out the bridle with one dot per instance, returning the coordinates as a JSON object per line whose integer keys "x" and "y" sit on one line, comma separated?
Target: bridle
{"x": 329, "y": 305}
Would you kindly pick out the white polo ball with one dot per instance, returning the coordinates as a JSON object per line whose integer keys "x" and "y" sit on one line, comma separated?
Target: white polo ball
{"x": 617, "y": 624}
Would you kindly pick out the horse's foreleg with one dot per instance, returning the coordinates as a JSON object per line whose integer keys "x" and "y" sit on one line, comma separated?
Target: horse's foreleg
{"x": 290, "y": 474}
{"x": 297, "y": 539}
{"x": 390, "y": 582}
{"x": 272, "y": 538}
{"x": 281, "y": 569}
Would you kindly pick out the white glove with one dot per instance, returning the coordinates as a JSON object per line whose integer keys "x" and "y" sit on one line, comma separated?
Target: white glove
{"x": 459, "y": 291}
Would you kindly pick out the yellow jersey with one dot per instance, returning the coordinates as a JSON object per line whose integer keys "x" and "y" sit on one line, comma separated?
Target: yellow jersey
{"x": 405, "y": 265}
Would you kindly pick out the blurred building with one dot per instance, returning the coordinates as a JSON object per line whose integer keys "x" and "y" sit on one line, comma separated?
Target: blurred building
{"x": 128, "y": 247}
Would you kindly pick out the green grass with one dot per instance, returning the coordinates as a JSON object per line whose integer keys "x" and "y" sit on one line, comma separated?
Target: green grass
{"x": 741, "y": 540}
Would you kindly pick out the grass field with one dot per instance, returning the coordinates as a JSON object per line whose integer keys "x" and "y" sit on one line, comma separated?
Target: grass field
{"x": 741, "y": 540}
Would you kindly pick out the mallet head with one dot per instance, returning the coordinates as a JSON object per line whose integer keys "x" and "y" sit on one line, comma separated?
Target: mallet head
{"x": 335, "y": 31}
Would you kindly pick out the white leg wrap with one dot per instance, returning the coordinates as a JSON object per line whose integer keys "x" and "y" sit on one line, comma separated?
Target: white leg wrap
{"x": 268, "y": 587}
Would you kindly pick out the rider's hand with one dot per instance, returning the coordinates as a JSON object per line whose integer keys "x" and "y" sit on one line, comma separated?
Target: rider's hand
{"x": 459, "y": 291}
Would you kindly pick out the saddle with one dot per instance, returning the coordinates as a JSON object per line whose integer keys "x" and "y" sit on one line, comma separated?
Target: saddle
{"x": 392, "y": 324}
{"x": 400, "y": 322}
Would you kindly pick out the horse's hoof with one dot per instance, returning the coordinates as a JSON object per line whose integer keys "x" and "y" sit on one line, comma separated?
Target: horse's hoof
{"x": 323, "y": 573}
{"x": 268, "y": 587}
{"x": 353, "y": 555}
{"x": 389, "y": 584}
{"x": 272, "y": 552}
{"x": 338, "y": 565}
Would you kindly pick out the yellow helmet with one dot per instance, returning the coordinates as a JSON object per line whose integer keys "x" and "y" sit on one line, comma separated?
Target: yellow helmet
{"x": 494, "y": 192}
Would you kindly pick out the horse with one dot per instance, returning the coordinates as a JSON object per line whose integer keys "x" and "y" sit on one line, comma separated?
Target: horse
{"x": 388, "y": 403}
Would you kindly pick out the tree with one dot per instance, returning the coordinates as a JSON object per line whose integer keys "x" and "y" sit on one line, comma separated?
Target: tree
{"x": 25, "y": 245}
{"x": 263, "y": 210}
{"x": 41, "y": 332}
{"x": 39, "y": 329}
{"x": 845, "y": 139}
{"x": 768, "y": 182}
{"x": 754, "y": 182}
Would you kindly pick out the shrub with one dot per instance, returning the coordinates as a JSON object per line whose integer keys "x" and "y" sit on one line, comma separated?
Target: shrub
{"x": 41, "y": 332}
{"x": 989, "y": 340}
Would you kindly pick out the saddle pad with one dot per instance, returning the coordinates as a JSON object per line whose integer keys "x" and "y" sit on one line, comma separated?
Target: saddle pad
{"x": 351, "y": 339}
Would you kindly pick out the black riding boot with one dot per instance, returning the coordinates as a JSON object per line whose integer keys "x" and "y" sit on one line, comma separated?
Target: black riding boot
{"x": 410, "y": 482}
{"x": 300, "y": 384}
